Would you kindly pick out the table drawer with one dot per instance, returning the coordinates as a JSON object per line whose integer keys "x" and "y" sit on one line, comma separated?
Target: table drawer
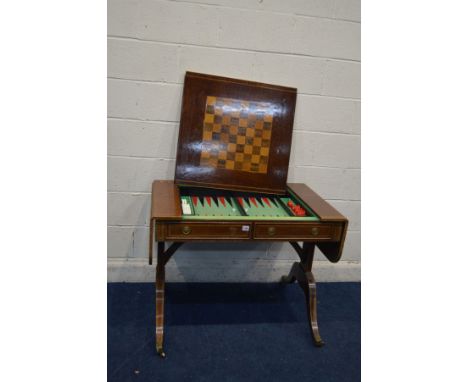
{"x": 294, "y": 231}
{"x": 208, "y": 231}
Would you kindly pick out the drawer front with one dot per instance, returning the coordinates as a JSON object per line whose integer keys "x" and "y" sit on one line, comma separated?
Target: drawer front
{"x": 194, "y": 231}
{"x": 294, "y": 231}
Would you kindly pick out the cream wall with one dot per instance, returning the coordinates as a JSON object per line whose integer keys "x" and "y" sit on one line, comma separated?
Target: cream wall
{"x": 311, "y": 45}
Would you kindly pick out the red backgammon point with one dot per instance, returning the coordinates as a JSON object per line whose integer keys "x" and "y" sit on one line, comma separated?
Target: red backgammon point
{"x": 267, "y": 201}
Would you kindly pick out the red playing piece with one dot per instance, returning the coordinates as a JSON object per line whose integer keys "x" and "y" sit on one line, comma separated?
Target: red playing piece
{"x": 252, "y": 200}
{"x": 241, "y": 202}
{"x": 208, "y": 199}
{"x": 221, "y": 198}
{"x": 290, "y": 204}
{"x": 195, "y": 200}
{"x": 267, "y": 201}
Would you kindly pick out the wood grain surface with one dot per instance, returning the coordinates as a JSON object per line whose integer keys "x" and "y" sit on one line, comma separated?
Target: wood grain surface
{"x": 322, "y": 208}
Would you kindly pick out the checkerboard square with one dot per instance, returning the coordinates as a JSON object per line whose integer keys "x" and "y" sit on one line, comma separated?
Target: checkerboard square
{"x": 230, "y": 165}
{"x": 233, "y": 130}
{"x": 240, "y": 139}
{"x": 207, "y": 136}
{"x": 239, "y": 148}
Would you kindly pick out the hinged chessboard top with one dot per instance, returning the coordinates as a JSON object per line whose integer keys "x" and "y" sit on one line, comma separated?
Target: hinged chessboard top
{"x": 234, "y": 134}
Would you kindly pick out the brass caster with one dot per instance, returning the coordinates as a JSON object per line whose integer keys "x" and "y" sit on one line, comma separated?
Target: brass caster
{"x": 161, "y": 353}
{"x": 319, "y": 344}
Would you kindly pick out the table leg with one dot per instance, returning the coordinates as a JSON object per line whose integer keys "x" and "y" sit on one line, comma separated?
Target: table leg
{"x": 151, "y": 240}
{"x": 302, "y": 272}
{"x": 160, "y": 282}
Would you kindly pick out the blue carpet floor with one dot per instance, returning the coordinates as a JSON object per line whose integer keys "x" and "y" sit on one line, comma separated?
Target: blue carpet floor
{"x": 233, "y": 332}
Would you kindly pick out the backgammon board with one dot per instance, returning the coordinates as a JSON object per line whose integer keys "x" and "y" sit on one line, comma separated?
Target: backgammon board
{"x": 230, "y": 184}
{"x": 205, "y": 205}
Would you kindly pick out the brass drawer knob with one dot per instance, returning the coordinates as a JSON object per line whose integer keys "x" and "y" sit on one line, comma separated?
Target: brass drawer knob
{"x": 186, "y": 230}
{"x": 314, "y": 231}
{"x": 271, "y": 231}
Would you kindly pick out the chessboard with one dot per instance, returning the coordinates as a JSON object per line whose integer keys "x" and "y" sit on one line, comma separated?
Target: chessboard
{"x": 237, "y": 134}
